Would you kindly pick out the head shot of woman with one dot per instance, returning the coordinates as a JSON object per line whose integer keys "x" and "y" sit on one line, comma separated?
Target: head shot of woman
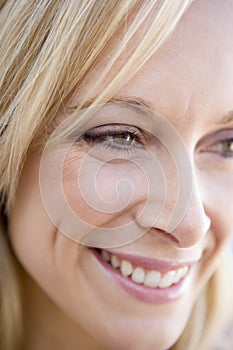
{"x": 116, "y": 174}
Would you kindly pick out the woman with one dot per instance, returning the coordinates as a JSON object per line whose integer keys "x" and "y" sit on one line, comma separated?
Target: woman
{"x": 116, "y": 174}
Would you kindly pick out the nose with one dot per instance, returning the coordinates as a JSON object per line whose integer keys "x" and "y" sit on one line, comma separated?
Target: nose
{"x": 191, "y": 224}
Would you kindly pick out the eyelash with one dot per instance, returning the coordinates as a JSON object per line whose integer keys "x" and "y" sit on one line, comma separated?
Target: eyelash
{"x": 104, "y": 136}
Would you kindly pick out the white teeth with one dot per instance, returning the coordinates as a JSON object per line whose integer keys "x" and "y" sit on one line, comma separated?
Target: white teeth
{"x": 180, "y": 274}
{"x": 167, "y": 279}
{"x": 105, "y": 255}
{"x": 152, "y": 279}
{"x": 115, "y": 262}
{"x": 138, "y": 275}
{"x": 126, "y": 268}
{"x": 185, "y": 271}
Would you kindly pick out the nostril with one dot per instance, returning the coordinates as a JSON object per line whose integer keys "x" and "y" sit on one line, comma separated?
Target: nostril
{"x": 165, "y": 236}
{"x": 172, "y": 238}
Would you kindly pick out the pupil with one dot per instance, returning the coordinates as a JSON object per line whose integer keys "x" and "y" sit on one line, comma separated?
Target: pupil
{"x": 123, "y": 139}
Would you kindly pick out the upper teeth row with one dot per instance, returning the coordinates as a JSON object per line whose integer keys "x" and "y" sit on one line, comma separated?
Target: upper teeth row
{"x": 151, "y": 278}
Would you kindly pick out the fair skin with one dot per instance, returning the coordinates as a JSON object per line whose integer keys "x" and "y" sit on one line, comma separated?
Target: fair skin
{"x": 74, "y": 300}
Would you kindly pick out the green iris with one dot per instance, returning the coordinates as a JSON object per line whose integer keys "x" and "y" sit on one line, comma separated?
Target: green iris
{"x": 124, "y": 138}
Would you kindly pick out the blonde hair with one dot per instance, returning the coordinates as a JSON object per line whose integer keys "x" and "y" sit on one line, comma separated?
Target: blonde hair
{"x": 47, "y": 49}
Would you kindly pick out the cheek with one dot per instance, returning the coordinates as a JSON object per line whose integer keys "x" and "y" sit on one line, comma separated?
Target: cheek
{"x": 37, "y": 243}
{"x": 29, "y": 224}
{"x": 98, "y": 193}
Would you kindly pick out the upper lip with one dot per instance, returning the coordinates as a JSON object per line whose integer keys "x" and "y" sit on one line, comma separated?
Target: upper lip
{"x": 152, "y": 263}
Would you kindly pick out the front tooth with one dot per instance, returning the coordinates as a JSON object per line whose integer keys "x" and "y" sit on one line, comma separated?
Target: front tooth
{"x": 115, "y": 261}
{"x": 167, "y": 279}
{"x": 126, "y": 268}
{"x": 105, "y": 255}
{"x": 152, "y": 279}
{"x": 138, "y": 275}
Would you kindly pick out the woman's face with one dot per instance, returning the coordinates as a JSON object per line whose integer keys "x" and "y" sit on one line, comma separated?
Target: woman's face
{"x": 139, "y": 295}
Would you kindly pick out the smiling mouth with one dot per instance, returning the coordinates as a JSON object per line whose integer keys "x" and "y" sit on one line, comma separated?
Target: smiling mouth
{"x": 148, "y": 277}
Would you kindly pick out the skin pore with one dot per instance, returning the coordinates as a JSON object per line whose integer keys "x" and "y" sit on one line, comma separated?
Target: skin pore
{"x": 189, "y": 82}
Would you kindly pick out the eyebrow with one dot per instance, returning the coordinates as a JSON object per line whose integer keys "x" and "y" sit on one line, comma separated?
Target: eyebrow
{"x": 137, "y": 103}
{"x": 227, "y": 118}
{"x": 134, "y": 100}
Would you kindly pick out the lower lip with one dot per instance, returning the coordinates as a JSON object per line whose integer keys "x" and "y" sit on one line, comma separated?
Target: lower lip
{"x": 141, "y": 292}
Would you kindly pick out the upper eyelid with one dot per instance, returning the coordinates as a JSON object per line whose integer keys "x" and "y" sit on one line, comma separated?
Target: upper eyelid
{"x": 111, "y": 128}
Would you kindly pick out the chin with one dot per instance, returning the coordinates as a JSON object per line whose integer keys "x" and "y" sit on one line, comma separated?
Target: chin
{"x": 137, "y": 334}
{"x": 146, "y": 340}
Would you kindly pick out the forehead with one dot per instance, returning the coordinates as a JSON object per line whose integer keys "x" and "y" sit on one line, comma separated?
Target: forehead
{"x": 200, "y": 49}
{"x": 192, "y": 73}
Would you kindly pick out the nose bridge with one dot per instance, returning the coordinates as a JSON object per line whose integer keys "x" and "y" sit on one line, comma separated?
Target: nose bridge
{"x": 183, "y": 216}
{"x": 175, "y": 204}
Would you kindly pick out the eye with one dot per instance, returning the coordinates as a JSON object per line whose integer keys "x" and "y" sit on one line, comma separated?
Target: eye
{"x": 223, "y": 148}
{"x": 122, "y": 138}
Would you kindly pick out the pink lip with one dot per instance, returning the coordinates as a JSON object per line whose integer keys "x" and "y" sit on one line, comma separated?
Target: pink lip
{"x": 141, "y": 292}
